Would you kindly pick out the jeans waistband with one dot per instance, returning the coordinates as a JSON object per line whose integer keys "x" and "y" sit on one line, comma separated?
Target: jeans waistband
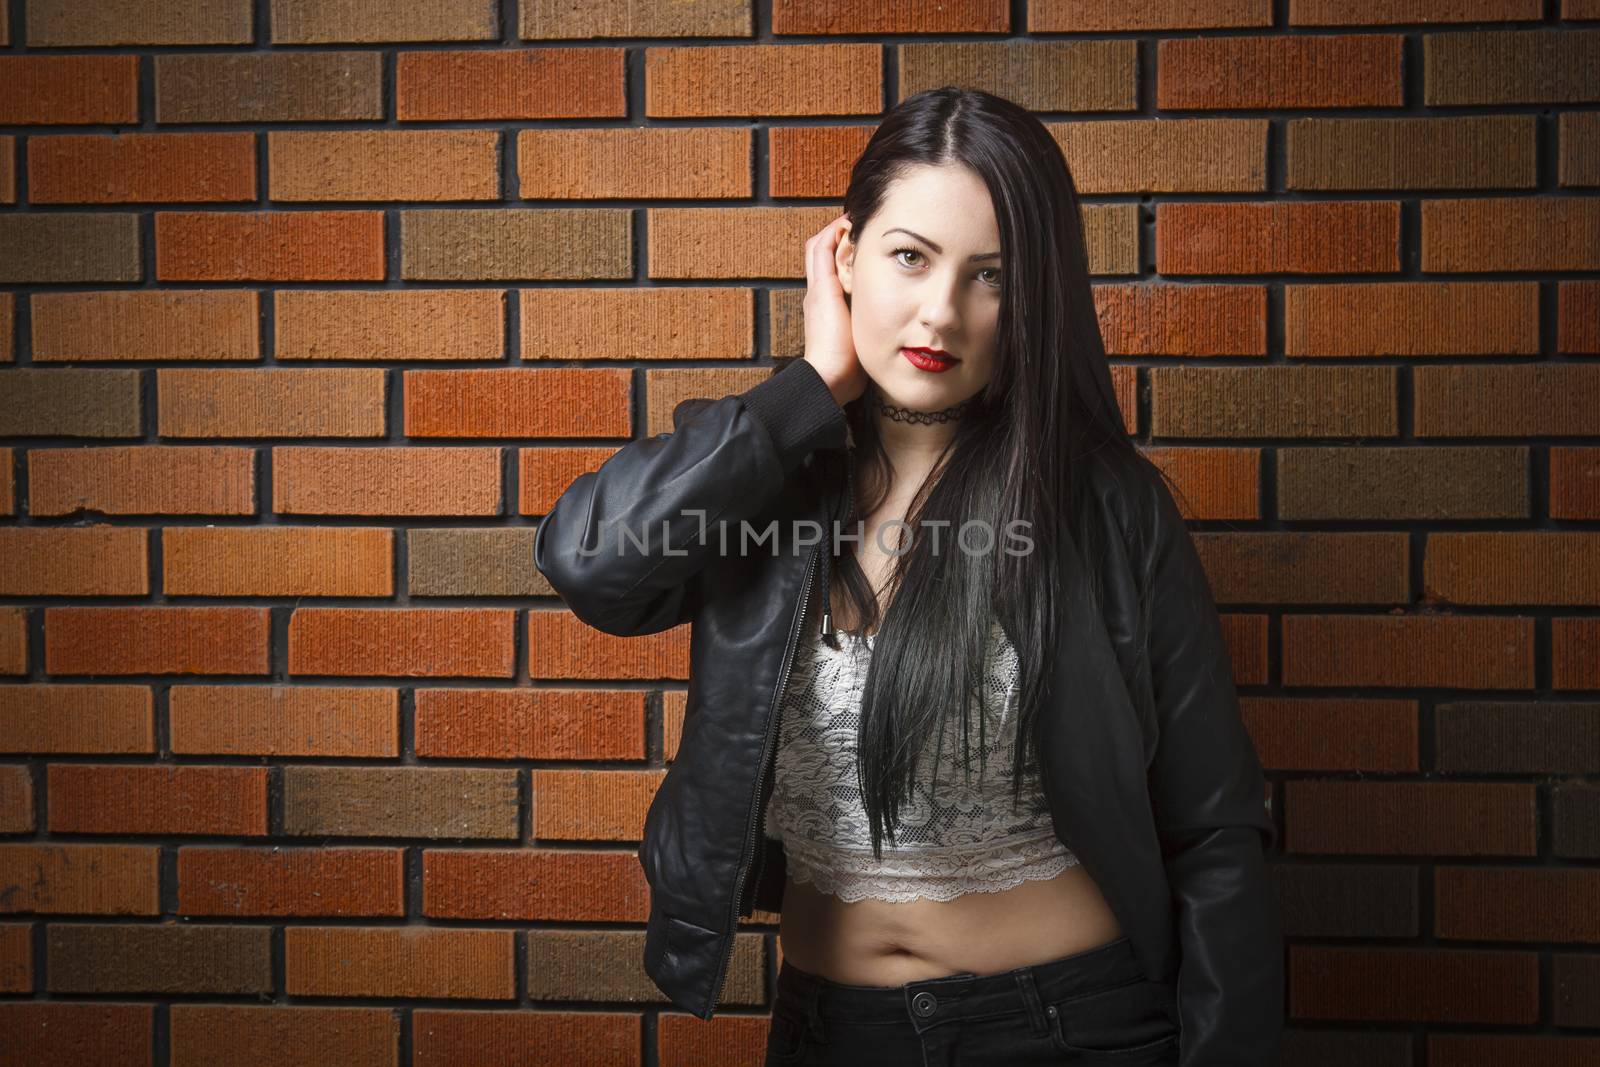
{"x": 931, "y": 1001}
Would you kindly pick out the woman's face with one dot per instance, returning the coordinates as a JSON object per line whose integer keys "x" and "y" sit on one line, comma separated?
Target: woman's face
{"x": 936, "y": 286}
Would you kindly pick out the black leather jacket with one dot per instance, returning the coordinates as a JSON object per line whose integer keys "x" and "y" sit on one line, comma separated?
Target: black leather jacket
{"x": 1165, "y": 809}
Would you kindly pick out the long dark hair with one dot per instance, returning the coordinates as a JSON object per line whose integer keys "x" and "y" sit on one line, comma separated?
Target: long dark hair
{"x": 1017, "y": 453}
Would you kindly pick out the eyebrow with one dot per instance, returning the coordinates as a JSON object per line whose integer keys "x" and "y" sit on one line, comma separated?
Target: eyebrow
{"x": 936, "y": 248}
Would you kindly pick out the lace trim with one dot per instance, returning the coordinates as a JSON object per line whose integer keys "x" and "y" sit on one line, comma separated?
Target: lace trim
{"x": 928, "y": 874}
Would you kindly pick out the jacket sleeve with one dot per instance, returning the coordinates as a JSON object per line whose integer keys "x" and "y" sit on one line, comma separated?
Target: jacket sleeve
{"x": 1208, "y": 797}
{"x": 623, "y": 545}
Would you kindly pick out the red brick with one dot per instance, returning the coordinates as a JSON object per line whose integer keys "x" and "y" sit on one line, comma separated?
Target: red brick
{"x": 1039, "y": 75}
{"x": 1309, "y": 71}
{"x": 1574, "y": 483}
{"x": 399, "y": 962}
{"x": 592, "y": 805}
{"x": 1578, "y": 306}
{"x": 286, "y": 246}
{"x": 438, "y": 642}
{"x": 17, "y": 814}
{"x": 1099, "y": 16}
{"x": 523, "y": 724}
{"x": 722, "y": 242}
{"x": 1575, "y": 653}
{"x": 674, "y": 322}
{"x": 1506, "y": 399}
{"x": 146, "y": 324}
{"x": 75, "y": 90}
{"x": 1443, "y": 651}
{"x": 1428, "y": 984}
{"x": 13, "y": 641}
{"x": 259, "y": 720}
{"x": 87, "y": 879}
{"x": 524, "y": 83}
{"x": 56, "y": 1032}
{"x": 167, "y": 957}
{"x": 539, "y": 885}
{"x": 1516, "y": 904}
{"x": 8, "y": 482}
{"x": 1285, "y": 237}
{"x": 1183, "y": 320}
{"x": 813, "y": 160}
{"x": 1213, "y": 483}
{"x": 391, "y": 324}
{"x": 1511, "y": 234}
{"x": 8, "y": 165}
{"x": 634, "y": 163}
{"x": 763, "y": 79}
{"x": 1508, "y": 567}
{"x": 1412, "y": 818}
{"x": 521, "y": 402}
{"x": 559, "y": 646}
{"x": 156, "y": 640}
{"x": 142, "y": 480}
{"x": 16, "y": 939}
{"x": 905, "y": 16}
{"x": 1578, "y": 141}
{"x": 39, "y": 719}
{"x": 1328, "y": 734}
{"x": 142, "y": 168}
{"x": 158, "y": 799}
{"x": 1411, "y": 319}
{"x": 213, "y": 1033}
{"x": 683, "y": 1038}
{"x": 291, "y": 881}
{"x": 74, "y": 561}
{"x": 343, "y": 402}
{"x": 293, "y": 561}
{"x": 384, "y": 165}
{"x": 1377, "y": 12}
{"x": 386, "y": 481}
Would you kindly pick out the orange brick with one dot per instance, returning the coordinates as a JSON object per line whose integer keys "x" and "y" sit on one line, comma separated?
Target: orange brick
{"x": 77, "y": 718}
{"x": 559, "y": 646}
{"x": 88, "y": 879}
{"x": 384, "y": 165}
{"x": 1310, "y": 71}
{"x": 1099, "y": 16}
{"x": 1511, "y": 234}
{"x": 523, "y": 83}
{"x": 142, "y": 480}
{"x": 142, "y": 168}
{"x": 305, "y": 561}
{"x": 1578, "y": 307}
{"x": 289, "y": 246}
{"x": 813, "y": 160}
{"x": 74, "y": 561}
{"x": 259, "y": 720}
{"x": 1285, "y": 237}
{"x": 1574, "y": 483}
{"x": 343, "y": 402}
{"x": 1553, "y": 567}
{"x": 763, "y": 79}
{"x": 545, "y": 20}
{"x": 399, "y": 962}
{"x": 958, "y": 16}
{"x": 8, "y": 482}
{"x": 555, "y": 724}
{"x": 1411, "y": 319}
{"x": 634, "y": 163}
{"x": 1376, "y": 12}
{"x": 146, "y": 324}
{"x": 439, "y": 642}
{"x": 592, "y": 805}
{"x": 721, "y": 242}
{"x": 391, "y": 324}
{"x": 1575, "y": 653}
{"x": 537, "y": 884}
{"x": 292, "y": 881}
{"x": 214, "y": 1033}
{"x": 69, "y": 90}
{"x": 1040, "y": 75}
{"x": 382, "y": 21}
{"x": 1183, "y": 320}
{"x": 545, "y": 473}
{"x": 1454, "y": 651}
{"x": 58, "y": 1030}
{"x": 156, "y": 640}
{"x": 8, "y": 164}
{"x": 13, "y": 641}
{"x": 157, "y": 799}
{"x": 386, "y": 481}
{"x": 672, "y": 322}
{"x": 520, "y": 402}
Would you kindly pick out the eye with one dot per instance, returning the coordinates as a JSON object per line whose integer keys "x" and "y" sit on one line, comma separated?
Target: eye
{"x": 899, "y": 251}
{"x": 996, "y": 272}
{"x": 915, "y": 252}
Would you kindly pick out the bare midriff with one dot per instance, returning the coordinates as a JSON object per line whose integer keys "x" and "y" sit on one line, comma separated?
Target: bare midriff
{"x": 888, "y": 943}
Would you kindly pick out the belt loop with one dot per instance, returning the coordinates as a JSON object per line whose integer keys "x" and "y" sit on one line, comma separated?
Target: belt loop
{"x": 1030, "y": 1000}
{"x": 813, "y": 1015}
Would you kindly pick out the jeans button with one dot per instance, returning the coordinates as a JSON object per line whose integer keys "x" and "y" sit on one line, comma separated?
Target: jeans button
{"x": 924, "y": 1004}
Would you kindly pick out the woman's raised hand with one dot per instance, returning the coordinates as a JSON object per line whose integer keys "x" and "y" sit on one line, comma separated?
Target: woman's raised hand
{"x": 830, "y": 345}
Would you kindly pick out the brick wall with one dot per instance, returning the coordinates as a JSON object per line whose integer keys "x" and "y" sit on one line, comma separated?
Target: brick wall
{"x": 308, "y": 311}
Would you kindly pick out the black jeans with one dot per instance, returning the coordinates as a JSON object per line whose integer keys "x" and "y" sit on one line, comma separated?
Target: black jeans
{"x": 1090, "y": 1007}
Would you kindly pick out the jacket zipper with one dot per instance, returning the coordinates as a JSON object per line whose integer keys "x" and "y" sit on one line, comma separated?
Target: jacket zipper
{"x": 753, "y": 822}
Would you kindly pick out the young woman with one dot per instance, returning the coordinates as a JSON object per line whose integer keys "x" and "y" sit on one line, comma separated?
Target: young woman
{"x": 978, "y": 744}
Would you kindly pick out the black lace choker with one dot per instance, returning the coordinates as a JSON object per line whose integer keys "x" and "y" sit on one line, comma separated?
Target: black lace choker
{"x": 925, "y": 417}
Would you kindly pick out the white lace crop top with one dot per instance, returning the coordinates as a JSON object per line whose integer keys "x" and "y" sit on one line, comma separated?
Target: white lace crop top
{"x": 962, "y": 838}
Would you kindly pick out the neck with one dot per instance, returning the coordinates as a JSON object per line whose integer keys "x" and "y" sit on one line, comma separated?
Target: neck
{"x": 915, "y": 439}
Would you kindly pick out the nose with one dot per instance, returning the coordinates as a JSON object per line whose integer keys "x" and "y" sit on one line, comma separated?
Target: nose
{"x": 940, "y": 313}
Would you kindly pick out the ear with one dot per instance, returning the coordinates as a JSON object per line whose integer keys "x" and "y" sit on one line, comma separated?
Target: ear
{"x": 844, "y": 258}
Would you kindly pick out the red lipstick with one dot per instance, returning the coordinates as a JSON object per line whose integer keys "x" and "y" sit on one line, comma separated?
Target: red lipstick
{"x": 933, "y": 360}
